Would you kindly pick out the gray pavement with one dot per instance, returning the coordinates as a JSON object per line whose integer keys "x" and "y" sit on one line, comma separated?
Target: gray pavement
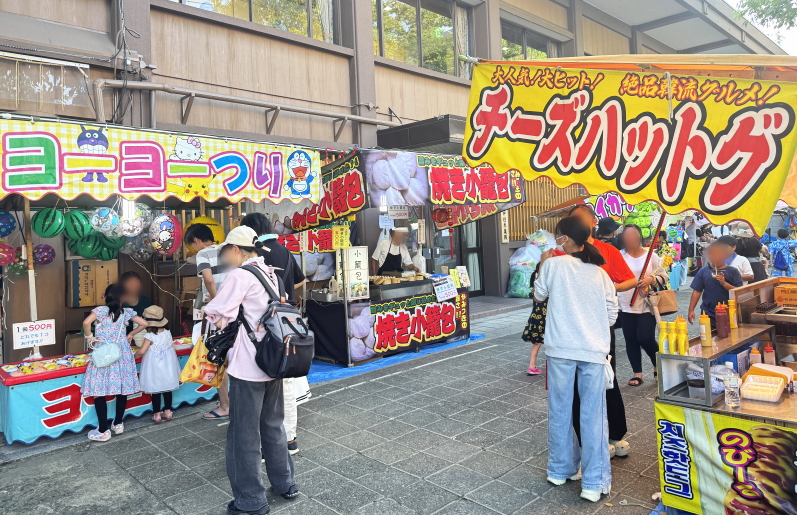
{"x": 462, "y": 431}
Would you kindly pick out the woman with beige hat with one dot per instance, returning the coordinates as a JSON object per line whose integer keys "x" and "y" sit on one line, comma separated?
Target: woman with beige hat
{"x": 750, "y": 247}
{"x": 160, "y": 369}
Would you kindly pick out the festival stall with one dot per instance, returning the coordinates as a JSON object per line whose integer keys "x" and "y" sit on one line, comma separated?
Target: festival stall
{"x": 712, "y": 133}
{"x": 81, "y": 204}
{"x": 384, "y": 314}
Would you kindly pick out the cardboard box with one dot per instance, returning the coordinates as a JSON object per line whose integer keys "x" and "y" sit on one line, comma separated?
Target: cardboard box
{"x": 785, "y": 295}
{"x": 87, "y": 280}
{"x": 75, "y": 343}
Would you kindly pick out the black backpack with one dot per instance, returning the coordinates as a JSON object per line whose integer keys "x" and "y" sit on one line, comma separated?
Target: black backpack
{"x": 288, "y": 347}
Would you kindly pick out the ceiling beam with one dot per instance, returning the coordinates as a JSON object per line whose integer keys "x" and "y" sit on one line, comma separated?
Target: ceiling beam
{"x": 667, "y": 20}
{"x": 707, "y": 47}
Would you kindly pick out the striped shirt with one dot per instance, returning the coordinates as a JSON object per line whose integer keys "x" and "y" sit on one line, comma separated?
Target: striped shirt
{"x": 208, "y": 259}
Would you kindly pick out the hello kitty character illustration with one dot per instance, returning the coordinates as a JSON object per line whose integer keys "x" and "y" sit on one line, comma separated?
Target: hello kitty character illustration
{"x": 187, "y": 149}
{"x": 299, "y": 168}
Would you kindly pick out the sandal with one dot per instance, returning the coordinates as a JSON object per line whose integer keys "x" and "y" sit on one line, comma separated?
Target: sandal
{"x": 291, "y": 493}
{"x": 533, "y": 371}
{"x": 169, "y": 416}
{"x": 211, "y": 415}
{"x": 635, "y": 381}
{"x": 156, "y": 418}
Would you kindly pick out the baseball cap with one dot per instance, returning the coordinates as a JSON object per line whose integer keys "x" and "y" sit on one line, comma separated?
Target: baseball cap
{"x": 607, "y": 226}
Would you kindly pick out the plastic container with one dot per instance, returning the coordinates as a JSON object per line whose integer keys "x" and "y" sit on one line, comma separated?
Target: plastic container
{"x": 731, "y": 380}
{"x": 733, "y": 314}
{"x": 705, "y": 330}
{"x": 755, "y": 356}
{"x": 723, "y": 321}
{"x": 697, "y": 388}
{"x": 664, "y": 342}
{"x": 763, "y": 388}
{"x": 769, "y": 355}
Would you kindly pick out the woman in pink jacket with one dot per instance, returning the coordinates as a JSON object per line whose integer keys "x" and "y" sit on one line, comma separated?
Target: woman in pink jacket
{"x": 256, "y": 403}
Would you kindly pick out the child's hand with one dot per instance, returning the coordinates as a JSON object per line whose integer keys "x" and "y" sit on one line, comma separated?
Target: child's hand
{"x": 691, "y": 317}
{"x": 721, "y": 278}
{"x": 130, "y": 338}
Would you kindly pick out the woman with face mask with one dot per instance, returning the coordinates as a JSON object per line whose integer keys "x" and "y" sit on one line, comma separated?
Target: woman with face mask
{"x": 256, "y": 401}
{"x": 582, "y": 305}
{"x": 623, "y": 280}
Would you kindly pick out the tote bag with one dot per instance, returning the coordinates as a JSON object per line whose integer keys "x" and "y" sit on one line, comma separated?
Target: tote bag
{"x": 662, "y": 299}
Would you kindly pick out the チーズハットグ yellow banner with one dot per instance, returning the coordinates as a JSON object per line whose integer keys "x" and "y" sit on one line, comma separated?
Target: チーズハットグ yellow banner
{"x": 70, "y": 159}
{"x": 725, "y": 149}
{"x": 714, "y": 464}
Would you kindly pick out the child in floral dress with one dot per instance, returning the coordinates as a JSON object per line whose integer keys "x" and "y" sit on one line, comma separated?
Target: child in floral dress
{"x": 120, "y": 378}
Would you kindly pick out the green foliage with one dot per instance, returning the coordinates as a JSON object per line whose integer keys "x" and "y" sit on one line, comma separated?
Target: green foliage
{"x": 777, "y": 14}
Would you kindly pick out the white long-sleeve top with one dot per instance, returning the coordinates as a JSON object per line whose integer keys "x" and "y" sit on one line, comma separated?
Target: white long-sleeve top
{"x": 582, "y": 306}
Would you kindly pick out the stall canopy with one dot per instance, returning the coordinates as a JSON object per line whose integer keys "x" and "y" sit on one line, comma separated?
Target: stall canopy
{"x": 70, "y": 159}
{"x": 708, "y": 132}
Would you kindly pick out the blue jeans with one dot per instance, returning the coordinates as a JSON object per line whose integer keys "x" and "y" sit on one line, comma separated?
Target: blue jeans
{"x": 563, "y": 451}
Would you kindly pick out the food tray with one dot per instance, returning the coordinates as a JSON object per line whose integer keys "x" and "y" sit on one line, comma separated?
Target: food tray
{"x": 763, "y": 388}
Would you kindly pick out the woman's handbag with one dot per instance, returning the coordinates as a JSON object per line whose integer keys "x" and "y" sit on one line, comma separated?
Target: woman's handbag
{"x": 106, "y": 353}
{"x": 220, "y": 342}
{"x": 198, "y": 369}
{"x": 662, "y": 298}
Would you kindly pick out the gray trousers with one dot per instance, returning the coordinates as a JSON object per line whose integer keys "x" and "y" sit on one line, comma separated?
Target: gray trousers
{"x": 256, "y": 413}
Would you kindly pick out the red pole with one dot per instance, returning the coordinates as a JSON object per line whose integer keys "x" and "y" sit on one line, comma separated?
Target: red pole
{"x": 650, "y": 254}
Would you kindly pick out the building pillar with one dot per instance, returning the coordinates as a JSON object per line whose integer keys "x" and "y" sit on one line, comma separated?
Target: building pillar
{"x": 575, "y": 24}
{"x": 357, "y": 34}
{"x": 487, "y": 30}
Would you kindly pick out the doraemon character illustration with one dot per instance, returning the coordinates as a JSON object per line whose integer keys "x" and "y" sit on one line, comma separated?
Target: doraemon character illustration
{"x": 93, "y": 141}
{"x": 187, "y": 149}
{"x": 300, "y": 170}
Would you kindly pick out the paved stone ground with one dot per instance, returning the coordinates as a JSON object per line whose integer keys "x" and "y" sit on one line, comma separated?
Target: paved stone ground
{"x": 458, "y": 432}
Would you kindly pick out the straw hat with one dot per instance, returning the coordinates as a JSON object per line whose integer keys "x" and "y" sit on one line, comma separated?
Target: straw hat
{"x": 154, "y": 316}
{"x": 743, "y": 230}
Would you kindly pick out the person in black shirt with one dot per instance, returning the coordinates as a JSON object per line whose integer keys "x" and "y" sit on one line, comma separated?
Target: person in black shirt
{"x": 275, "y": 254}
{"x": 607, "y": 231}
{"x": 131, "y": 283}
{"x": 292, "y": 277}
{"x": 750, "y": 247}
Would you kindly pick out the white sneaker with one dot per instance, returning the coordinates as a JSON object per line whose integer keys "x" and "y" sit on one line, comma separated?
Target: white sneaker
{"x": 612, "y": 451}
{"x": 118, "y": 428}
{"x": 560, "y": 482}
{"x": 622, "y": 447}
{"x": 595, "y": 495}
{"x": 95, "y": 435}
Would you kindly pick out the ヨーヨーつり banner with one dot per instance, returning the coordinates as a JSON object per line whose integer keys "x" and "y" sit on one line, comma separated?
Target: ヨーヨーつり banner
{"x": 70, "y": 159}
{"x": 381, "y": 328}
{"x": 725, "y": 149}
{"x": 708, "y": 462}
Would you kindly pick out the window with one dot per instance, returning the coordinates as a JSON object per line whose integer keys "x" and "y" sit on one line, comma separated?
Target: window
{"x": 427, "y": 33}
{"x": 519, "y": 44}
{"x": 313, "y": 18}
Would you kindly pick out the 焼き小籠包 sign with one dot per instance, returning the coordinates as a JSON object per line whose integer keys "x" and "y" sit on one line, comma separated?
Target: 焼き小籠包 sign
{"x": 726, "y": 149}
{"x": 71, "y": 159}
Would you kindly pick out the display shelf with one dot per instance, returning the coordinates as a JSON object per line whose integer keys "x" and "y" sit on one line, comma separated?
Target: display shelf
{"x": 782, "y": 412}
{"x": 672, "y": 367}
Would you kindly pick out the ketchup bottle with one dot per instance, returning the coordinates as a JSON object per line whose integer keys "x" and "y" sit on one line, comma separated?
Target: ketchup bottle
{"x": 723, "y": 321}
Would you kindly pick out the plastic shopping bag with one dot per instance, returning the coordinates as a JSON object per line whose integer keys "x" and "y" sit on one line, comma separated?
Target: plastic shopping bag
{"x": 199, "y": 370}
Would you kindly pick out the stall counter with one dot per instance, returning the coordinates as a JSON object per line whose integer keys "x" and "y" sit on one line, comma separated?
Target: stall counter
{"x": 50, "y": 403}
{"x": 716, "y": 459}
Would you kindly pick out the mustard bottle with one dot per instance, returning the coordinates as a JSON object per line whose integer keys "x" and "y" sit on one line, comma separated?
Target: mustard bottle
{"x": 672, "y": 335}
{"x": 664, "y": 341}
{"x": 732, "y": 313}
{"x": 705, "y": 330}
{"x": 683, "y": 337}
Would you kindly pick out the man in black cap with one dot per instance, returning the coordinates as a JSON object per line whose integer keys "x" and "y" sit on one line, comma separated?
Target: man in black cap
{"x": 607, "y": 231}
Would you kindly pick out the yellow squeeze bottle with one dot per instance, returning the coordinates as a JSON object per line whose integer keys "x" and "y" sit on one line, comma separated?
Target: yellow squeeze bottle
{"x": 672, "y": 335}
{"x": 705, "y": 330}
{"x": 664, "y": 342}
{"x": 683, "y": 338}
{"x": 732, "y": 313}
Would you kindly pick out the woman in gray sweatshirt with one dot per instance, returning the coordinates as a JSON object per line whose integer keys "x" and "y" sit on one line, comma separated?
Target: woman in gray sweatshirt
{"x": 582, "y": 306}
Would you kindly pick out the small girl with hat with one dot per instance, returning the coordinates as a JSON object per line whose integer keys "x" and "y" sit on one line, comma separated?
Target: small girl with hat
{"x": 160, "y": 369}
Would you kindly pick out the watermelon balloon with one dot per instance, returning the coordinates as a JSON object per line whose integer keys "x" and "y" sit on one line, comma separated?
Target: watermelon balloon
{"x": 113, "y": 243}
{"x": 89, "y": 247}
{"x": 48, "y": 223}
{"x": 107, "y": 254}
{"x": 77, "y": 225}
{"x": 72, "y": 246}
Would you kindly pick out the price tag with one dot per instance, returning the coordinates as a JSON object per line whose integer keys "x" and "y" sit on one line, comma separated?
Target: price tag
{"x": 445, "y": 288}
{"x": 34, "y": 334}
{"x": 340, "y": 237}
{"x": 464, "y": 278}
{"x": 421, "y": 233}
{"x": 398, "y": 212}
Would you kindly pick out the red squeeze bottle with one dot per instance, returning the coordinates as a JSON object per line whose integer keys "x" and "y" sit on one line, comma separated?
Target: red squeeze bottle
{"x": 723, "y": 321}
